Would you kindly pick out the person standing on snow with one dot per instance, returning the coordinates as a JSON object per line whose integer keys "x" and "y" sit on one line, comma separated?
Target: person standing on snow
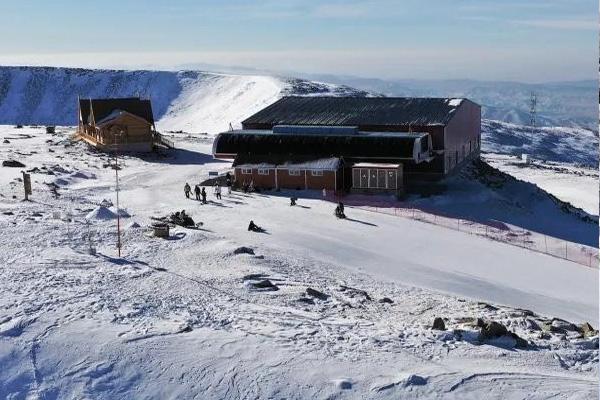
{"x": 228, "y": 182}
{"x": 187, "y": 189}
{"x": 218, "y": 192}
{"x": 197, "y": 191}
{"x": 203, "y": 193}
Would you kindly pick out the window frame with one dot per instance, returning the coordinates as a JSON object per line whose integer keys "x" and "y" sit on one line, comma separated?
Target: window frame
{"x": 263, "y": 171}
{"x": 316, "y": 172}
{"x": 294, "y": 172}
{"x": 246, "y": 171}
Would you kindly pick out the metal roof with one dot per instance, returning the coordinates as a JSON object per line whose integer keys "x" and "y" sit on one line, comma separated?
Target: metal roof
{"x": 355, "y": 111}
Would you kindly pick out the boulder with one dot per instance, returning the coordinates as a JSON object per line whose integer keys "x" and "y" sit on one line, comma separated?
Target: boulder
{"x": 587, "y": 330}
{"x": 386, "y": 300}
{"x": 353, "y": 292}
{"x": 492, "y": 330}
{"x": 438, "y": 324}
{"x": 316, "y": 294}
{"x": 561, "y": 326}
{"x": 265, "y": 284}
{"x": 12, "y": 163}
{"x": 243, "y": 250}
{"x": 6, "y": 141}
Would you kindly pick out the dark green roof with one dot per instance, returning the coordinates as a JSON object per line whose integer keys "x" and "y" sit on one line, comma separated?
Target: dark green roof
{"x": 355, "y": 111}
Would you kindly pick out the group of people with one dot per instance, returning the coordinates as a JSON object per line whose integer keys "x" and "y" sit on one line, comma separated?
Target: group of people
{"x": 246, "y": 187}
{"x": 200, "y": 193}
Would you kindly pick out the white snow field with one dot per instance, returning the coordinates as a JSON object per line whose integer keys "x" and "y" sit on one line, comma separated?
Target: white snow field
{"x": 186, "y": 317}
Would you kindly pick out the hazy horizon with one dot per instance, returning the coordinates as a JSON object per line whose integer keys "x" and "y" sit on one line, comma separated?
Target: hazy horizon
{"x": 531, "y": 42}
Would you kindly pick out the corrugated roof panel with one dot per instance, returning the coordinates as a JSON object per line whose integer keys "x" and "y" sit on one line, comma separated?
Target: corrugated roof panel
{"x": 348, "y": 111}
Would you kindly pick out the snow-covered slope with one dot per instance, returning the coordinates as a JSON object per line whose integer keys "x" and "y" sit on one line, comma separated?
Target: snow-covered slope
{"x": 559, "y": 144}
{"x": 184, "y": 317}
{"x": 193, "y": 101}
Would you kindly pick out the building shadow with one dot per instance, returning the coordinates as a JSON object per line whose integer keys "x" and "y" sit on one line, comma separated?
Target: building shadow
{"x": 179, "y": 156}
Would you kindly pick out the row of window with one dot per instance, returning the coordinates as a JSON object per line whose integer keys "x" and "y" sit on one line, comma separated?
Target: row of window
{"x": 291, "y": 172}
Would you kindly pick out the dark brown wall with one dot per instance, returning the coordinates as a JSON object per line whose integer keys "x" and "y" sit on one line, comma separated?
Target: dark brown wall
{"x": 286, "y": 181}
{"x": 462, "y": 132}
{"x": 260, "y": 181}
{"x": 326, "y": 181}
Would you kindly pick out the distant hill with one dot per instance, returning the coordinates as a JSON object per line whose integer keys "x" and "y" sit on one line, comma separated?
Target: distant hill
{"x": 186, "y": 100}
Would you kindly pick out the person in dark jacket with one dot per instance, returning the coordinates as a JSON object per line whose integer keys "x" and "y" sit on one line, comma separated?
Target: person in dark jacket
{"x": 203, "y": 193}
{"x": 254, "y": 228}
{"x": 197, "y": 191}
{"x": 187, "y": 189}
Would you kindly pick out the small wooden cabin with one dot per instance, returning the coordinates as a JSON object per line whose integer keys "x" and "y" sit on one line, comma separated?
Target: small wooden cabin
{"x": 119, "y": 124}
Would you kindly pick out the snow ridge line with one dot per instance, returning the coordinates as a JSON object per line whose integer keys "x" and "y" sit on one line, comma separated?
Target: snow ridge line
{"x": 593, "y": 255}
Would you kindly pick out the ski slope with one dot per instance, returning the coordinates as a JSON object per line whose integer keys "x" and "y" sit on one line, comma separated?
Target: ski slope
{"x": 182, "y": 318}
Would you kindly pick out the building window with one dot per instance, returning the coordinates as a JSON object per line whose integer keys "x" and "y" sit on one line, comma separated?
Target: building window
{"x": 247, "y": 171}
{"x": 316, "y": 172}
{"x": 263, "y": 171}
{"x": 294, "y": 172}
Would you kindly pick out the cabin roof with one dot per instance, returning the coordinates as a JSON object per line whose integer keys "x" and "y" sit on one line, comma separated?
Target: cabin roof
{"x": 103, "y": 108}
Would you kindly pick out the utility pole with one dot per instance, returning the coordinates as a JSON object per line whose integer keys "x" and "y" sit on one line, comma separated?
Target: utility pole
{"x": 532, "y": 111}
{"x": 116, "y": 167}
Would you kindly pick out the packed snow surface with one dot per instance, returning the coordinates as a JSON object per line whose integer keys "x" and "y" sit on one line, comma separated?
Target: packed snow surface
{"x": 220, "y": 312}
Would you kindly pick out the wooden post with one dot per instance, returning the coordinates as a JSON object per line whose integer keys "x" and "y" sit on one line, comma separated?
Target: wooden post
{"x": 26, "y": 184}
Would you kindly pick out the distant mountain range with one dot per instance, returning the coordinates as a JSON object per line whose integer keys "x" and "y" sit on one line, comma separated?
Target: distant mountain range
{"x": 572, "y": 104}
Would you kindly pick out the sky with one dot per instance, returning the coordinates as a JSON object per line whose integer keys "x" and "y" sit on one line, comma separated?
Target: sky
{"x": 518, "y": 40}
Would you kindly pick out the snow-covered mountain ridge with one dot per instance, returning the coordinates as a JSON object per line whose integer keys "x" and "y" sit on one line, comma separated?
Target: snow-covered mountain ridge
{"x": 186, "y": 100}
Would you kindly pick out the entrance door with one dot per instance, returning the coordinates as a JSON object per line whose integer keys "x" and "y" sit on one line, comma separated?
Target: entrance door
{"x": 372, "y": 178}
{"x": 381, "y": 179}
{"x": 364, "y": 178}
{"x": 355, "y": 177}
{"x": 391, "y": 179}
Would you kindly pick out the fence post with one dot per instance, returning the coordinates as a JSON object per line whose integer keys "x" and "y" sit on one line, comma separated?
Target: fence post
{"x": 566, "y": 255}
{"x": 458, "y": 224}
{"x": 546, "y": 243}
{"x": 413, "y": 213}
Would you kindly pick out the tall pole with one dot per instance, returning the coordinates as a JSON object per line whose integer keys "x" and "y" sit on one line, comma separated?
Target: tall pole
{"x": 117, "y": 190}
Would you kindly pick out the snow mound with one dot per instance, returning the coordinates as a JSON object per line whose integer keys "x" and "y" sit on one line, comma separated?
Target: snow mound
{"x": 133, "y": 225}
{"x": 101, "y": 213}
{"x": 121, "y": 212}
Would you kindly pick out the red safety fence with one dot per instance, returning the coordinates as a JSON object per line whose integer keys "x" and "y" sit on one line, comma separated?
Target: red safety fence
{"x": 499, "y": 231}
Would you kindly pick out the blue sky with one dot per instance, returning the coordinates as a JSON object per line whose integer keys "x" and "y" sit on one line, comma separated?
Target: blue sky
{"x": 525, "y": 40}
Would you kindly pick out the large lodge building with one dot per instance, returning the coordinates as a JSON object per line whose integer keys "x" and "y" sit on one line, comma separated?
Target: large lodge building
{"x": 377, "y": 144}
